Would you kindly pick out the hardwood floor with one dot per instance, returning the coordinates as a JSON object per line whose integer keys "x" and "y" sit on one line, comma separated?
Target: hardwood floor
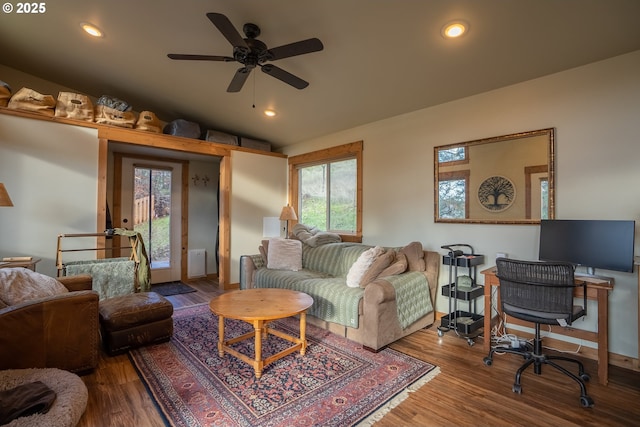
{"x": 465, "y": 393}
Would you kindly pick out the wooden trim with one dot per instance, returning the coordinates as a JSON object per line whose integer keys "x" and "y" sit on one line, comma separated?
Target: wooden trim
{"x": 224, "y": 231}
{"x": 116, "y": 209}
{"x": 327, "y": 154}
{"x": 101, "y": 209}
{"x": 184, "y": 222}
{"x": 528, "y": 171}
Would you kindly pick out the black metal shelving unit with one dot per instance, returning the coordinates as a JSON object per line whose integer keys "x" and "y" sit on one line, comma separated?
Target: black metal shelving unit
{"x": 465, "y": 323}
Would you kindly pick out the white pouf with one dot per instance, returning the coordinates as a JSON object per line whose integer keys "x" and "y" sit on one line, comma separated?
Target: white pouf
{"x": 71, "y": 396}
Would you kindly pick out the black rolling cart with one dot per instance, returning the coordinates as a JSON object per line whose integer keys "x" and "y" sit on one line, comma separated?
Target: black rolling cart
{"x": 463, "y": 287}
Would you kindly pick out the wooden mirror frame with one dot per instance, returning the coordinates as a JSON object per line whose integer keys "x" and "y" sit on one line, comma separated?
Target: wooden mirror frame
{"x": 497, "y": 176}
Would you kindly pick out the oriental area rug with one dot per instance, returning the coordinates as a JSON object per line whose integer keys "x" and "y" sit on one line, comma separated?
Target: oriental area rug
{"x": 336, "y": 383}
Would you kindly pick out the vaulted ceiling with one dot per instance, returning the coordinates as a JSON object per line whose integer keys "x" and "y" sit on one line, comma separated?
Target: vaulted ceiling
{"x": 381, "y": 58}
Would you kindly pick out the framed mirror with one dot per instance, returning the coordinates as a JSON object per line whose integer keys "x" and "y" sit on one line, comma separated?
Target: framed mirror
{"x": 508, "y": 179}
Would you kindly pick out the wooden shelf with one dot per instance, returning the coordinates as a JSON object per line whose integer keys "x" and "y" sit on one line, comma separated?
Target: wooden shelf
{"x": 140, "y": 137}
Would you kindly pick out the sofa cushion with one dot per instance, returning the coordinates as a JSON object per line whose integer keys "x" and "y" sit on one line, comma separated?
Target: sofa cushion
{"x": 398, "y": 266}
{"x": 332, "y": 300}
{"x": 265, "y": 278}
{"x": 415, "y": 256}
{"x": 362, "y": 264}
{"x": 284, "y": 254}
{"x": 328, "y": 258}
{"x": 350, "y": 255}
{"x": 20, "y": 284}
{"x": 381, "y": 263}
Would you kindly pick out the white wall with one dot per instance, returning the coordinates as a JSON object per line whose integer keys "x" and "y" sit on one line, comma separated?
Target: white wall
{"x": 203, "y": 210}
{"x": 51, "y": 173}
{"x": 596, "y": 112}
{"x": 258, "y": 189}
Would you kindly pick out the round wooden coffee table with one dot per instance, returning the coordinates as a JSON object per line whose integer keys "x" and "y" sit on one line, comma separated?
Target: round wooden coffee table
{"x": 259, "y": 307}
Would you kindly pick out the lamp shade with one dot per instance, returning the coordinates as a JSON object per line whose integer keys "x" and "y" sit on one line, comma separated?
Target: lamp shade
{"x": 288, "y": 214}
{"x": 5, "y": 200}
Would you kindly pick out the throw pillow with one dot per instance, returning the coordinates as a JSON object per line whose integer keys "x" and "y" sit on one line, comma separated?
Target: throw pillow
{"x": 359, "y": 268}
{"x": 21, "y": 284}
{"x": 264, "y": 250}
{"x": 381, "y": 263}
{"x": 398, "y": 266}
{"x": 284, "y": 254}
{"x": 415, "y": 256}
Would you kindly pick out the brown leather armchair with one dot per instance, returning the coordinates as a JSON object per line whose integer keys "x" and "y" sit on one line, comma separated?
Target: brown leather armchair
{"x": 60, "y": 331}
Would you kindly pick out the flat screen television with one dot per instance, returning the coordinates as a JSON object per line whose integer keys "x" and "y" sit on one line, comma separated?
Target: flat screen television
{"x": 604, "y": 244}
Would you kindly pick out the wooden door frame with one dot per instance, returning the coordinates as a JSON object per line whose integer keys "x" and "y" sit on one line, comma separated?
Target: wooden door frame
{"x": 112, "y": 133}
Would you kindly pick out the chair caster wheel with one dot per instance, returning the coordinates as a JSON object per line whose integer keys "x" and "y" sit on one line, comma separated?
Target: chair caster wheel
{"x": 585, "y": 377}
{"x": 440, "y": 333}
{"x": 586, "y": 401}
{"x": 470, "y": 342}
{"x": 487, "y": 361}
{"x": 517, "y": 388}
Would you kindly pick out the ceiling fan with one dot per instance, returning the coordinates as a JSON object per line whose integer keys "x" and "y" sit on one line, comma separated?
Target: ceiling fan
{"x": 252, "y": 53}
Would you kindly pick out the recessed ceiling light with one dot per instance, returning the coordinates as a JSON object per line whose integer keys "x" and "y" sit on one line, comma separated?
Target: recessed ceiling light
{"x": 91, "y": 29}
{"x": 270, "y": 113}
{"x": 454, "y": 29}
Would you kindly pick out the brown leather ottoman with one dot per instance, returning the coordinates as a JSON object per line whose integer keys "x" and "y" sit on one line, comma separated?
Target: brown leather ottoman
{"x": 134, "y": 320}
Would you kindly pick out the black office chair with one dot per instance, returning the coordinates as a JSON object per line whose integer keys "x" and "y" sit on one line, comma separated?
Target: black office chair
{"x": 542, "y": 293}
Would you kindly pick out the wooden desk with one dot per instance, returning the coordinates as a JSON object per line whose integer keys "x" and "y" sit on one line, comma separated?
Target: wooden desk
{"x": 597, "y": 289}
{"x": 30, "y": 264}
{"x": 636, "y": 363}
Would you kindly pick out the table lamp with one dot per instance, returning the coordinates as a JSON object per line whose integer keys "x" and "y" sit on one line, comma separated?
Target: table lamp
{"x": 5, "y": 200}
{"x": 287, "y": 214}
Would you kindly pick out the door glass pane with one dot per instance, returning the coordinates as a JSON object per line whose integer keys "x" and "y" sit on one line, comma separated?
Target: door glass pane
{"x": 152, "y": 213}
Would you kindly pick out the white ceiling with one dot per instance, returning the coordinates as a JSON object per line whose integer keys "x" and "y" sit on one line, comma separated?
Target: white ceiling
{"x": 381, "y": 58}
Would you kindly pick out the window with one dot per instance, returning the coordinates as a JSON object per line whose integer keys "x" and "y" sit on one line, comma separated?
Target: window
{"x": 325, "y": 188}
{"x": 453, "y": 195}
{"x": 450, "y": 155}
{"x": 453, "y": 186}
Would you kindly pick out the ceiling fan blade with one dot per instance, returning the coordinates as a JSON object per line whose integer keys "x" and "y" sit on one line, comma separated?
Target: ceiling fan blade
{"x": 200, "y": 57}
{"x": 284, "y": 76}
{"x": 238, "y": 79}
{"x": 297, "y": 48}
{"x": 227, "y": 29}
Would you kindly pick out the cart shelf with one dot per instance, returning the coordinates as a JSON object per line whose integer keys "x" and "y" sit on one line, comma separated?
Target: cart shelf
{"x": 466, "y": 324}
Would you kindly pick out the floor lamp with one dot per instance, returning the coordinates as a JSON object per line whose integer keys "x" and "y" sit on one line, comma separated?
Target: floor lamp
{"x": 287, "y": 214}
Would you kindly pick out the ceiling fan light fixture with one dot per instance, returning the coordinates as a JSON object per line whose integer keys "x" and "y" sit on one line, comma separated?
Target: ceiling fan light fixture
{"x": 270, "y": 112}
{"x": 455, "y": 29}
{"x": 91, "y": 29}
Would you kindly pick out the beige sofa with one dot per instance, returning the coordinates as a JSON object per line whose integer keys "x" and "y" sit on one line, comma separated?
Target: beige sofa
{"x": 386, "y": 309}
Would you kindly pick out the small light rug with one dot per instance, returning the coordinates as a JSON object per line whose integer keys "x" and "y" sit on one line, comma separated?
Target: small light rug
{"x": 172, "y": 288}
{"x": 336, "y": 383}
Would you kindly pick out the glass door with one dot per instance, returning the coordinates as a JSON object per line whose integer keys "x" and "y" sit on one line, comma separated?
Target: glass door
{"x": 152, "y": 207}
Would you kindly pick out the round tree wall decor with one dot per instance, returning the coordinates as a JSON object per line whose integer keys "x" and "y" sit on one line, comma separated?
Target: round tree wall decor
{"x": 496, "y": 193}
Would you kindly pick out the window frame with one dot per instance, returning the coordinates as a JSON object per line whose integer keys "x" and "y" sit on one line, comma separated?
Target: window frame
{"x": 342, "y": 152}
